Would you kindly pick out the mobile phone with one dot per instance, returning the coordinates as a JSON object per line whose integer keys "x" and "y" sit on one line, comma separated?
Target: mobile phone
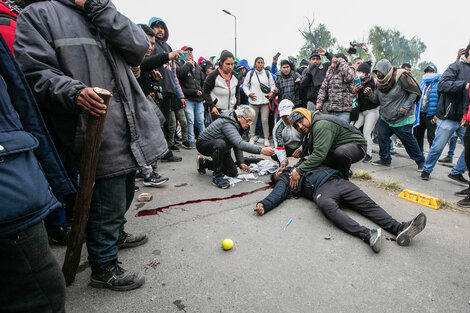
{"x": 183, "y": 56}
{"x": 357, "y": 81}
{"x": 277, "y": 55}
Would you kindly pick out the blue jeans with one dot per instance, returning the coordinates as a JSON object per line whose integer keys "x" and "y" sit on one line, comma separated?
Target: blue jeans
{"x": 445, "y": 130}
{"x": 342, "y": 115}
{"x": 405, "y": 134}
{"x": 194, "y": 116}
{"x": 452, "y": 145}
{"x": 110, "y": 201}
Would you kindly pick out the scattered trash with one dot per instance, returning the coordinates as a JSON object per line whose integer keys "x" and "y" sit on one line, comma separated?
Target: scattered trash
{"x": 181, "y": 185}
{"x": 264, "y": 167}
{"x": 287, "y": 224}
{"x": 145, "y": 197}
{"x": 327, "y": 238}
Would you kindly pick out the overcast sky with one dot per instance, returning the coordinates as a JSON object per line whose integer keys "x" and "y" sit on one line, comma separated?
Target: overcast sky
{"x": 266, "y": 27}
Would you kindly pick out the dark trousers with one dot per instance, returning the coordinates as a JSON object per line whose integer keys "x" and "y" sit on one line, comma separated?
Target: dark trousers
{"x": 30, "y": 278}
{"x": 166, "y": 110}
{"x": 466, "y": 144}
{"x": 222, "y": 162}
{"x": 345, "y": 155}
{"x": 426, "y": 124}
{"x": 405, "y": 135}
{"x": 339, "y": 191}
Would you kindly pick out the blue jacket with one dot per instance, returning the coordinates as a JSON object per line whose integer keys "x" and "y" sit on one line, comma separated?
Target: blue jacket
{"x": 433, "y": 97}
{"x": 29, "y": 163}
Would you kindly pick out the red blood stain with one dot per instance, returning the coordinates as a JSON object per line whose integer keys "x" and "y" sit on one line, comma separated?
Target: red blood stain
{"x": 390, "y": 239}
{"x": 160, "y": 209}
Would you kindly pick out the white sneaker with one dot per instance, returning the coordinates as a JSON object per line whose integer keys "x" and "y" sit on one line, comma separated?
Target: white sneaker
{"x": 255, "y": 138}
{"x": 266, "y": 143}
{"x": 252, "y": 141}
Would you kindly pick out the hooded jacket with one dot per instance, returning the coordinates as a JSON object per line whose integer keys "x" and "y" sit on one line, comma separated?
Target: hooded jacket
{"x": 228, "y": 128}
{"x": 429, "y": 81}
{"x": 312, "y": 79}
{"x": 63, "y": 49}
{"x": 191, "y": 78}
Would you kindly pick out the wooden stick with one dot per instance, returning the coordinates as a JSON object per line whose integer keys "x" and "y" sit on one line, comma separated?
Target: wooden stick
{"x": 81, "y": 209}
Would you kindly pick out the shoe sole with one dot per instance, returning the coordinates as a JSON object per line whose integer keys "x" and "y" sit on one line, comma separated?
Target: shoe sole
{"x": 458, "y": 179}
{"x": 152, "y": 184}
{"x": 126, "y": 245}
{"x": 416, "y": 226}
{"x": 375, "y": 164}
{"x": 225, "y": 187}
{"x": 170, "y": 161}
{"x": 102, "y": 284}
{"x": 377, "y": 246}
{"x": 461, "y": 195}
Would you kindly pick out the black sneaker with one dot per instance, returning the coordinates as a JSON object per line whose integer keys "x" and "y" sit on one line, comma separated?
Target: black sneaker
{"x": 154, "y": 180}
{"x": 420, "y": 167}
{"x": 367, "y": 158}
{"x": 170, "y": 157}
{"x": 458, "y": 178}
{"x": 115, "y": 277}
{"x": 463, "y": 193}
{"x": 375, "y": 239}
{"x": 126, "y": 240}
{"x": 410, "y": 229}
{"x": 201, "y": 164}
{"x": 58, "y": 237}
{"x": 186, "y": 145}
{"x": 425, "y": 175}
{"x": 465, "y": 202}
{"x": 380, "y": 162}
{"x": 174, "y": 148}
{"x": 220, "y": 182}
{"x": 139, "y": 175}
{"x": 446, "y": 159}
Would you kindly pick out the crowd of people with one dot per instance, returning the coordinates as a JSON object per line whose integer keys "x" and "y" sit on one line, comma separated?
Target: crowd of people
{"x": 326, "y": 113}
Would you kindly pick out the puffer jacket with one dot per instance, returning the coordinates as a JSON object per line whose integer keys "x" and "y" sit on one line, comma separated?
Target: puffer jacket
{"x": 63, "y": 49}
{"x": 29, "y": 163}
{"x": 433, "y": 97}
{"x": 228, "y": 128}
{"x": 338, "y": 88}
{"x": 217, "y": 93}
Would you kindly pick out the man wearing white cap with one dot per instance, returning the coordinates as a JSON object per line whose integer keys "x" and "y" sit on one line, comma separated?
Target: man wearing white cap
{"x": 287, "y": 141}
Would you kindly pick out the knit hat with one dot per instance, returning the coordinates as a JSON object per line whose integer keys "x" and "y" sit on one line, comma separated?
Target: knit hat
{"x": 205, "y": 64}
{"x": 285, "y": 107}
{"x": 431, "y": 67}
{"x": 364, "y": 67}
{"x": 315, "y": 54}
{"x": 299, "y": 114}
{"x": 303, "y": 63}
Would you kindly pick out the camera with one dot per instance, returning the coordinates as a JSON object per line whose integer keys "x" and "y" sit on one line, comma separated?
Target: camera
{"x": 158, "y": 90}
{"x": 355, "y": 44}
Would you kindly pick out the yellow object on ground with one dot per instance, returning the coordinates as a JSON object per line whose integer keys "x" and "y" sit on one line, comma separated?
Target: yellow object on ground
{"x": 420, "y": 198}
{"x": 227, "y": 244}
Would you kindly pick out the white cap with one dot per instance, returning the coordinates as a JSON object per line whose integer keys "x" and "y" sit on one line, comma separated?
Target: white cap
{"x": 285, "y": 107}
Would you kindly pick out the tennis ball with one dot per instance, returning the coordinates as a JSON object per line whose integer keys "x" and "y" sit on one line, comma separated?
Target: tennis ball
{"x": 227, "y": 244}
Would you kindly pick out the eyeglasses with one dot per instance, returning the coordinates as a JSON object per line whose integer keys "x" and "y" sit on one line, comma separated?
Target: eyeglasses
{"x": 249, "y": 122}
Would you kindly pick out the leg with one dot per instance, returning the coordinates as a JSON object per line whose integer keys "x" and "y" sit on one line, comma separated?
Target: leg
{"x": 360, "y": 120}
{"x": 180, "y": 116}
{"x": 171, "y": 128}
{"x": 230, "y": 169}
{"x": 452, "y": 145}
{"x": 430, "y": 130}
{"x": 444, "y": 131}
{"x": 370, "y": 119}
{"x": 411, "y": 146}
{"x": 216, "y": 149}
{"x": 31, "y": 278}
{"x": 255, "y": 119}
{"x": 166, "y": 110}
{"x": 199, "y": 117}
{"x": 264, "y": 110}
{"x": 418, "y": 132}
{"x": 385, "y": 132}
{"x": 345, "y": 155}
{"x": 190, "y": 108}
{"x": 460, "y": 167}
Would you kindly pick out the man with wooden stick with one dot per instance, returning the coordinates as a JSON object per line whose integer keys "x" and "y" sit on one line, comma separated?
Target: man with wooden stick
{"x": 65, "y": 48}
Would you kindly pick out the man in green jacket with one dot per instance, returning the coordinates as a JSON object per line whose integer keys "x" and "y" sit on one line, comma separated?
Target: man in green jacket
{"x": 330, "y": 140}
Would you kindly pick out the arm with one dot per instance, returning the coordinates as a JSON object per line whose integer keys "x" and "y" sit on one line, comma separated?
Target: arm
{"x": 231, "y": 133}
{"x": 323, "y": 140}
{"x": 306, "y": 80}
{"x": 280, "y": 193}
{"x": 322, "y": 92}
{"x": 279, "y": 148}
{"x": 154, "y": 61}
{"x": 209, "y": 84}
{"x": 183, "y": 70}
{"x": 410, "y": 101}
{"x": 449, "y": 83}
{"x": 246, "y": 84}
{"x": 237, "y": 93}
{"x": 347, "y": 71}
{"x": 178, "y": 90}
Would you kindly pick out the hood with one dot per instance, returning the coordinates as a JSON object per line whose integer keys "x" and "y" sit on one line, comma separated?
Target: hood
{"x": 431, "y": 66}
{"x": 383, "y": 66}
{"x": 157, "y": 19}
{"x": 430, "y": 78}
{"x": 244, "y": 63}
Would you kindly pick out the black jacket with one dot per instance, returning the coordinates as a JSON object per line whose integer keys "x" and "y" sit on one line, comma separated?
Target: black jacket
{"x": 191, "y": 80}
{"x": 146, "y": 81}
{"x": 363, "y": 100}
{"x": 453, "y": 98}
{"x": 312, "y": 78}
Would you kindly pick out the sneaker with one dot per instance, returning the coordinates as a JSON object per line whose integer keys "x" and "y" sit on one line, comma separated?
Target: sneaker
{"x": 201, "y": 164}
{"x": 380, "y": 162}
{"x": 220, "y": 182}
{"x": 170, "y": 157}
{"x": 458, "y": 178}
{"x": 446, "y": 159}
{"x": 174, "y": 148}
{"x": 266, "y": 143}
{"x": 154, "y": 180}
{"x": 115, "y": 277}
{"x": 375, "y": 239}
{"x": 260, "y": 140}
{"x": 252, "y": 141}
{"x": 408, "y": 230}
{"x": 186, "y": 145}
{"x": 58, "y": 237}
{"x": 139, "y": 175}
{"x": 393, "y": 151}
{"x": 465, "y": 202}
{"x": 425, "y": 175}
{"x": 256, "y": 138}
{"x": 192, "y": 144}
{"x": 463, "y": 193}
{"x": 367, "y": 158}
{"x": 420, "y": 167}
{"x": 126, "y": 240}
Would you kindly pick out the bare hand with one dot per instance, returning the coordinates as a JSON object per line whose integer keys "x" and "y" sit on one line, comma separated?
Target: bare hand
{"x": 434, "y": 119}
{"x": 283, "y": 165}
{"x": 364, "y": 47}
{"x": 215, "y": 111}
{"x": 467, "y": 86}
{"x": 245, "y": 168}
{"x": 321, "y": 51}
{"x": 267, "y": 151}
{"x": 297, "y": 153}
{"x": 157, "y": 75}
{"x": 173, "y": 55}
{"x": 89, "y": 101}
{"x": 252, "y": 96}
{"x": 357, "y": 88}
{"x": 270, "y": 95}
{"x": 80, "y": 3}
{"x": 294, "y": 179}
{"x": 183, "y": 102}
{"x": 463, "y": 123}
{"x": 403, "y": 111}
{"x": 199, "y": 92}
{"x": 460, "y": 53}
{"x": 297, "y": 80}
{"x": 368, "y": 91}
{"x": 259, "y": 208}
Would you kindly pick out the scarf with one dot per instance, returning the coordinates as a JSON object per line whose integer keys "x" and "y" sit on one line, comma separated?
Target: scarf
{"x": 388, "y": 82}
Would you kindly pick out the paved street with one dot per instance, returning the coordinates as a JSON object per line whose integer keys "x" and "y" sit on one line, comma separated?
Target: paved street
{"x": 310, "y": 267}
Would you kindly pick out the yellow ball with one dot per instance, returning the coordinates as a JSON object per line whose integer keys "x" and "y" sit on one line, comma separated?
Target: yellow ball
{"x": 227, "y": 244}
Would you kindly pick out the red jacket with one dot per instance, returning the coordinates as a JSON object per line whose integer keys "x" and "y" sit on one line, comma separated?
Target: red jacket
{"x": 7, "y": 24}
{"x": 466, "y": 116}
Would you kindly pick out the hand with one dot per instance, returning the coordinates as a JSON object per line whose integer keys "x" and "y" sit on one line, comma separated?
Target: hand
{"x": 259, "y": 208}
{"x": 183, "y": 102}
{"x": 297, "y": 80}
{"x": 267, "y": 151}
{"x": 364, "y": 47}
{"x": 252, "y": 96}
{"x": 460, "y": 53}
{"x": 403, "y": 111}
{"x": 357, "y": 88}
{"x": 173, "y": 55}
{"x": 157, "y": 75}
{"x": 89, "y": 101}
{"x": 80, "y": 3}
{"x": 294, "y": 179}
{"x": 283, "y": 165}
{"x": 368, "y": 91}
{"x": 215, "y": 111}
{"x": 152, "y": 95}
{"x": 463, "y": 123}
{"x": 321, "y": 51}
{"x": 245, "y": 168}
{"x": 297, "y": 153}
{"x": 290, "y": 58}
{"x": 467, "y": 86}
{"x": 199, "y": 92}
{"x": 434, "y": 119}
{"x": 270, "y": 95}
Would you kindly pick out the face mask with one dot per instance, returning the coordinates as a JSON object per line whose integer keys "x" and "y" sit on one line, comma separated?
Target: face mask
{"x": 360, "y": 75}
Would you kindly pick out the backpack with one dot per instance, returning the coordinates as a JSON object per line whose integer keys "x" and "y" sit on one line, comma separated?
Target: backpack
{"x": 7, "y": 24}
